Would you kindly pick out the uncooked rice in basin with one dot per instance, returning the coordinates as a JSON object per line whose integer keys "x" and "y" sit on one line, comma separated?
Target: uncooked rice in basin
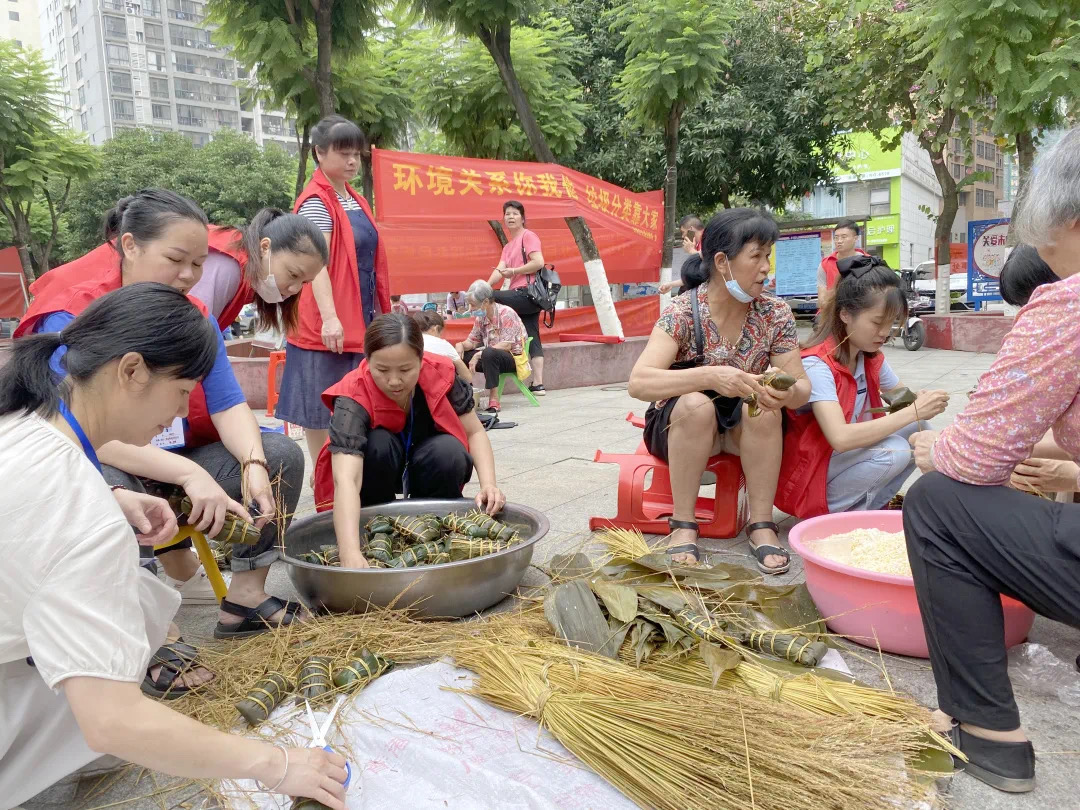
{"x": 869, "y": 549}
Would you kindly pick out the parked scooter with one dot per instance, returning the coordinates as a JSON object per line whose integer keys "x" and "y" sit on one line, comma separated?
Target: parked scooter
{"x": 912, "y": 331}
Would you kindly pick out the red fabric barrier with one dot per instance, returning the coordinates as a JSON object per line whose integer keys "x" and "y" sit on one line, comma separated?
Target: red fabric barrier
{"x": 433, "y": 214}
{"x": 638, "y": 317}
{"x": 12, "y": 285}
{"x": 570, "y": 337}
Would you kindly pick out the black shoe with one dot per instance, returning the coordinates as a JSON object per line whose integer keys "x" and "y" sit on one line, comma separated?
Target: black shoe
{"x": 1007, "y": 766}
{"x": 537, "y": 390}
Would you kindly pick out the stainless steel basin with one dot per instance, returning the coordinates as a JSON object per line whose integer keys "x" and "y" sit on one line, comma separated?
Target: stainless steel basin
{"x": 449, "y": 590}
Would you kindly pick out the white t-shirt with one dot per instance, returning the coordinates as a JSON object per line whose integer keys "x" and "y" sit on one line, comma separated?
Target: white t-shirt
{"x": 70, "y": 579}
{"x": 823, "y": 384}
{"x": 436, "y": 345}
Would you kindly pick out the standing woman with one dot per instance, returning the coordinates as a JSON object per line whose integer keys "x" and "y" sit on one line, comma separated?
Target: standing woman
{"x": 217, "y": 453}
{"x": 845, "y": 236}
{"x": 521, "y": 258}
{"x": 337, "y": 307}
{"x": 837, "y": 456}
{"x": 80, "y": 618}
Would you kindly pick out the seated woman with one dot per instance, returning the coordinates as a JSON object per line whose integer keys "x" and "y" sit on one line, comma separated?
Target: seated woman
{"x": 497, "y": 336}
{"x": 837, "y": 456}
{"x": 431, "y": 324}
{"x": 80, "y": 617}
{"x": 970, "y": 537}
{"x": 704, "y": 357}
{"x": 401, "y": 422}
{"x": 218, "y": 451}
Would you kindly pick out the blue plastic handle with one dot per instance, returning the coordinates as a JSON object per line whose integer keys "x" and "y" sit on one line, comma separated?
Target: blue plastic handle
{"x": 348, "y": 770}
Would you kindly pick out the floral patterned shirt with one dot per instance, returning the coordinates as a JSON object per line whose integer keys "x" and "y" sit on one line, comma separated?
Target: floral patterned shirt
{"x": 1033, "y": 386}
{"x": 506, "y": 326}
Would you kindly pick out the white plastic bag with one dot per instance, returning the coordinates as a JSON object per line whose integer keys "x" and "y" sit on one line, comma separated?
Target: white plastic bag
{"x": 1038, "y": 672}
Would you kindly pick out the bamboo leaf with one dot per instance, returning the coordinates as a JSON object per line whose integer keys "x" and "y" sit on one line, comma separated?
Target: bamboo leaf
{"x": 620, "y": 600}
{"x": 720, "y": 660}
{"x": 574, "y": 615}
{"x": 570, "y": 566}
{"x": 666, "y": 596}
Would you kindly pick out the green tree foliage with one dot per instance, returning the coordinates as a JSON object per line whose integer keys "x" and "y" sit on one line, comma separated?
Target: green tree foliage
{"x": 460, "y": 91}
{"x": 674, "y": 57}
{"x": 39, "y": 157}
{"x": 231, "y": 178}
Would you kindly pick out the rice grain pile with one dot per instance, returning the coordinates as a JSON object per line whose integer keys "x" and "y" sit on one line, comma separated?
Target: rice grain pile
{"x": 869, "y": 549}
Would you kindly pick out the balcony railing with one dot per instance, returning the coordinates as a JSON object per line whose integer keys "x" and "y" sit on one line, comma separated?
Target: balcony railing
{"x": 187, "y": 16}
{"x": 113, "y": 5}
{"x": 152, "y": 40}
{"x": 119, "y": 60}
{"x": 162, "y": 120}
{"x": 151, "y": 12}
{"x": 187, "y": 120}
{"x": 159, "y": 94}
{"x": 155, "y": 67}
{"x": 123, "y": 116}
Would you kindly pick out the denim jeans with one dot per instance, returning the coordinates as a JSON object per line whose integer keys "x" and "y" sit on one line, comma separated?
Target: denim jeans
{"x": 869, "y": 477}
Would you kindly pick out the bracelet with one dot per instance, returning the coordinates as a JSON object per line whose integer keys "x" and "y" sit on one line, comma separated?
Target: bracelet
{"x": 258, "y": 462}
{"x": 281, "y": 781}
{"x": 115, "y": 487}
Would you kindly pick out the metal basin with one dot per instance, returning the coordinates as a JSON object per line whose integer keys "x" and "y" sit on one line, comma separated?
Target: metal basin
{"x": 449, "y": 590}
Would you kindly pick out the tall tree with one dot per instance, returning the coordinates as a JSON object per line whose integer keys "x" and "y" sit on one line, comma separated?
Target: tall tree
{"x": 39, "y": 157}
{"x": 674, "y": 57}
{"x": 492, "y": 22}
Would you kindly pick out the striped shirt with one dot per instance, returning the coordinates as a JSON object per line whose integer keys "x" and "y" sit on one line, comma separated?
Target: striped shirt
{"x": 314, "y": 209}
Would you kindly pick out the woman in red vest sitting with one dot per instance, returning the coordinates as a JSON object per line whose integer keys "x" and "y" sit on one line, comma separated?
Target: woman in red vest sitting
{"x": 705, "y": 356}
{"x": 216, "y": 452}
{"x": 844, "y": 237}
{"x": 402, "y": 422}
{"x": 837, "y": 457}
{"x": 337, "y": 307}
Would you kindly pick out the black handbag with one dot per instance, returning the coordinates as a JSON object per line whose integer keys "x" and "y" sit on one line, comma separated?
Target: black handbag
{"x": 543, "y": 289}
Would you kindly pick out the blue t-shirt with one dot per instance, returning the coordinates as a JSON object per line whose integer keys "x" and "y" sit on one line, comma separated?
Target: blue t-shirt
{"x": 823, "y": 384}
{"x": 220, "y": 386}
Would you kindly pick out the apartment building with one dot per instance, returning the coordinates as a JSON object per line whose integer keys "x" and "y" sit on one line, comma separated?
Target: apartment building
{"x": 19, "y": 21}
{"x": 981, "y": 199}
{"x": 152, "y": 64}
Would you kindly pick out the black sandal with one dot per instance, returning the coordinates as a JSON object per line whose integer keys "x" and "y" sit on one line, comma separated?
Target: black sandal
{"x": 175, "y": 659}
{"x": 765, "y": 550}
{"x": 687, "y": 548}
{"x": 257, "y": 619}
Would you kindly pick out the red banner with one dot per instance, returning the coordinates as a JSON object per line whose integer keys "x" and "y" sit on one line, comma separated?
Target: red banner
{"x": 433, "y": 214}
{"x": 638, "y": 317}
{"x": 12, "y": 286}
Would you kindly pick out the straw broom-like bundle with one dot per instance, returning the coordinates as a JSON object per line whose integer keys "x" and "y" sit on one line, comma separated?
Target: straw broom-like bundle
{"x": 689, "y": 748}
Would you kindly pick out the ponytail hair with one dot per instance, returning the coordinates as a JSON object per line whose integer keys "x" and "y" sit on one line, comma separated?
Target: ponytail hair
{"x": 153, "y": 320}
{"x": 288, "y": 232}
{"x": 864, "y": 280}
{"x": 147, "y": 213}
{"x": 728, "y": 232}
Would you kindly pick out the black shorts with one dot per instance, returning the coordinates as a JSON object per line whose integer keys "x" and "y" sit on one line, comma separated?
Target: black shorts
{"x": 728, "y": 414}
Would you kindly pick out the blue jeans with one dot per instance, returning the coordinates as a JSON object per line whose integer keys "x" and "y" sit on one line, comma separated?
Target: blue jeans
{"x": 868, "y": 478}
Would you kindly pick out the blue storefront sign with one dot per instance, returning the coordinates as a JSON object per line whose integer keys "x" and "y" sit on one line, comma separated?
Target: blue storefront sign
{"x": 987, "y": 252}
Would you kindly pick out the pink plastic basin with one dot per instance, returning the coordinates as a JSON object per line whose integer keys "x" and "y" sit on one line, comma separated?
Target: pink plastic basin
{"x": 876, "y": 609}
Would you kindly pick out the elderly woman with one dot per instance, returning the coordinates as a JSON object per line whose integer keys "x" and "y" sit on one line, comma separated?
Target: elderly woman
{"x": 705, "y": 356}
{"x": 970, "y": 537}
{"x": 497, "y": 336}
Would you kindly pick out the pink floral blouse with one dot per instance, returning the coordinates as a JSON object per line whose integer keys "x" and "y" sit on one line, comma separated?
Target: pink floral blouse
{"x": 505, "y": 326}
{"x": 1032, "y": 387}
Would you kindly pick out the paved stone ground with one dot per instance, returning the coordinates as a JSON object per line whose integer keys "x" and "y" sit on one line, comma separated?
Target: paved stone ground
{"x": 546, "y": 462}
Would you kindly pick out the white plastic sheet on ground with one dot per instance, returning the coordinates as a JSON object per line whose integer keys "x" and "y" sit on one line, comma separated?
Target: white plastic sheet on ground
{"x": 413, "y": 744}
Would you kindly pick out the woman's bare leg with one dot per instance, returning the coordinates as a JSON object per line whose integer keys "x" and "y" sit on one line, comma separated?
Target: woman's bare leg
{"x": 759, "y": 441}
{"x": 692, "y": 438}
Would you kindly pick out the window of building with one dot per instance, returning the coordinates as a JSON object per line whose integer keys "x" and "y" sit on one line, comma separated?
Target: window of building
{"x": 123, "y": 109}
{"x": 118, "y": 54}
{"x": 197, "y": 138}
{"x": 159, "y": 88}
{"x": 161, "y": 112}
{"x": 247, "y": 125}
{"x": 82, "y": 120}
{"x": 985, "y": 198}
{"x": 64, "y": 74}
{"x": 963, "y": 198}
{"x": 155, "y": 60}
{"x": 115, "y": 27}
{"x": 191, "y": 116}
{"x": 73, "y": 16}
{"x": 187, "y": 37}
{"x": 62, "y": 52}
{"x": 155, "y": 34}
{"x": 82, "y": 95}
{"x": 59, "y": 24}
{"x": 119, "y": 82}
{"x": 13, "y": 16}
{"x": 879, "y": 201}
{"x": 75, "y": 42}
{"x": 78, "y": 69}
{"x": 186, "y": 10}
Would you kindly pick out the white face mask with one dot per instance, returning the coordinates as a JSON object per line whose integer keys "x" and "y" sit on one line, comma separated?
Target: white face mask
{"x": 267, "y": 288}
{"x": 736, "y": 291}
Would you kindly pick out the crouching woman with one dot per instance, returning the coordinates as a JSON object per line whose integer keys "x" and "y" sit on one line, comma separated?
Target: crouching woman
{"x": 403, "y": 421}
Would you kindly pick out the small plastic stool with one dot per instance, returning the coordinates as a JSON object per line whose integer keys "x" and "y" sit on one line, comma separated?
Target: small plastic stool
{"x": 206, "y": 557}
{"x": 512, "y": 375}
{"x": 636, "y": 421}
{"x": 276, "y": 359}
{"x": 647, "y": 510}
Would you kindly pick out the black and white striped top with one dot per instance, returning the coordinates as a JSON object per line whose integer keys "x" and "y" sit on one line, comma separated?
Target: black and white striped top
{"x": 314, "y": 210}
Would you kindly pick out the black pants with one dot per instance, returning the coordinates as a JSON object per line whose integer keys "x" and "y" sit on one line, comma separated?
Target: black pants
{"x": 493, "y": 362}
{"x": 967, "y": 545}
{"x": 438, "y": 467}
{"x": 519, "y": 301}
{"x": 286, "y": 460}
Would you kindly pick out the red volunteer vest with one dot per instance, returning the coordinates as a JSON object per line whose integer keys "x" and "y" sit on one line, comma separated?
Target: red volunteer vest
{"x": 801, "y": 490}
{"x": 224, "y": 240}
{"x": 436, "y": 378}
{"x": 344, "y": 274}
{"x": 832, "y": 272}
{"x": 100, "y": 269}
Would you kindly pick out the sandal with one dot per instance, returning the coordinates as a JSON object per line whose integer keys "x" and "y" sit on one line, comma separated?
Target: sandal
{"x": 765, "y": 550}
{"x": 687, "y": 548}
{"x": 174, "y": 658}
{"x": 257, "y": 619}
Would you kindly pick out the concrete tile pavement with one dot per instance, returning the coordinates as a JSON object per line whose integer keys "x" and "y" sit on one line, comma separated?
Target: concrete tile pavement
{"x": 546, "y": 461}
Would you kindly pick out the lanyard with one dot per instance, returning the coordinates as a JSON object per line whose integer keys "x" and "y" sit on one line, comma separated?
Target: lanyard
{"x": 406, "y": 437}
{"x": 88, "y": 448}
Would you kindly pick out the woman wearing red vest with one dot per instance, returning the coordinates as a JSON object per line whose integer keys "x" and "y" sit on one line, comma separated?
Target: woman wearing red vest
{"x": 402, "y": 422}
{"x": 218, "y": 450}
{"x": 845, "y": 235}
{"x": 837, "y": 457}
{"x": 328, "y": 341}
{"x": 267, "y": 263}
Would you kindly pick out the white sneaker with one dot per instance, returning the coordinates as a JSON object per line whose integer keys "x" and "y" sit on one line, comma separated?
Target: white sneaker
{"x": 194, "y": 591}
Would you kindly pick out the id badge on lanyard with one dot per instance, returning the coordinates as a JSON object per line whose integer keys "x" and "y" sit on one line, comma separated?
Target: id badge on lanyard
{"x": 172, "y": 438}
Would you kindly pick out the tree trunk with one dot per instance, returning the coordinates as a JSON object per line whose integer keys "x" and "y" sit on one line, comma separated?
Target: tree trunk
{"x": 324, "y": 85}
{"x": 671, "y": 180}
{"x": 499, "y": 232}
{"x": 301, "y": 169}
{"x": 497, "y": 41}
{"x": 27, "y": 265}
{"x": 943, "y": 231}
{"x": 1025, "y": 152}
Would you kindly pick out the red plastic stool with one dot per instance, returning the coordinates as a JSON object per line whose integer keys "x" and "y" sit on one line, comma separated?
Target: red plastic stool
{"x": 636, "y": 421}
{"x": 646, "y": 510}
{"x": 276, "y": 359}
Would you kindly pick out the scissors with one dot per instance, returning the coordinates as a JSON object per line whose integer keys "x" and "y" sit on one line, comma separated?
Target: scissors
{"x": 318, "y": 734}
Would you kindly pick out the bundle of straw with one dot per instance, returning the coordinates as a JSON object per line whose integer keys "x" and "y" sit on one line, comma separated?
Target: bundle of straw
{"x": 690, "y": 748}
